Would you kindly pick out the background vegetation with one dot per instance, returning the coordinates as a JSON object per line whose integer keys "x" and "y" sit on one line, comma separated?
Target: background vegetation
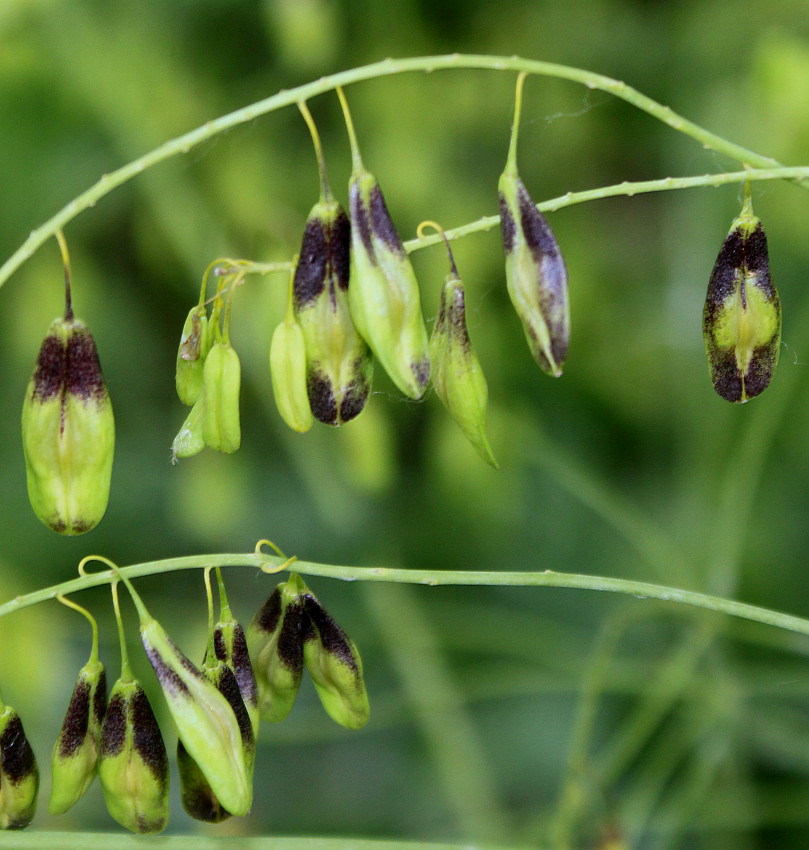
{"x": 524, "y": 717}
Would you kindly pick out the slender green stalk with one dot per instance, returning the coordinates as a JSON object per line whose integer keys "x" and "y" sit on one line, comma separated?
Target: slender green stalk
{"x": 188, "y": 141}
{"x": 432, "y": 578}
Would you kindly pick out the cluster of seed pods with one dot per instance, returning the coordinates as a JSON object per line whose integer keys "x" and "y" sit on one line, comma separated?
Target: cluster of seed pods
{"x": 245, "y": 677}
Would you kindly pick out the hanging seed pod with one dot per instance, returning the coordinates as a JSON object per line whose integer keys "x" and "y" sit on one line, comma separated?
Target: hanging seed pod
{"x": 221, "y": 428}
{"x": 189, "y": 440}
{"x": 75, "y": 755}
{"x": 133, "y": 766}
{"x": 535, "y": 271}
{"x": 333, "y": 661}
{"x": 384, "y": 294}
{"x": 68, "y": 431}
{"x": 288, "y": 373}
{"x": 339, "y": 365}
{"x": 19, "y": 775}
{"x": 741, "y": 320}
{"x": 195, "y": 342}
{"x": 275, "y": 643}
{"x": 456, "y": 372}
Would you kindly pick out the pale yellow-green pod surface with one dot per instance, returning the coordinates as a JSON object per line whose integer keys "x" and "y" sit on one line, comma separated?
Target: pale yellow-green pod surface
{"x": 456, "y": 372}
{"x": 288, "y": 373}
{"x": 189, "y": 440}
{"x": 221, "y": 427}
{"x": 68, "y": 431}
{"x": 383, "y": 292}
{"x": 205, "y": 720}
{"x": 75, "y": 755}
{"x": 133, "y": 766}
{"x": 19, "y": 775}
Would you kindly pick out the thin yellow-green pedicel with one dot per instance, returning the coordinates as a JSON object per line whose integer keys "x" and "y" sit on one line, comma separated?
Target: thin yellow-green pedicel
{"x": 19, "y": 775}
{"x": 742, "y": 316}
{"x": 68, "y": 431}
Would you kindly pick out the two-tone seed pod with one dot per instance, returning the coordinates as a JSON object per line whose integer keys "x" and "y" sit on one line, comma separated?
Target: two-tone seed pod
{"x": 536, "y": 276}
{"x": 456, "y": 372}
{"x": 68, "y": 431}
{"x": 74, "y": 760}
{"x": 19, "y": 774}
{"x": 741, "y": 319}
{"x": 384, "y": 294}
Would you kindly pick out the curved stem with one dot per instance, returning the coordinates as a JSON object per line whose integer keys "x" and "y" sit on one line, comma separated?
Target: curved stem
{"x": 511, "y": 162}
{"x": 185, "y": 143}
{"x": 432, "y": 578}
{"x": 325, "y": 189}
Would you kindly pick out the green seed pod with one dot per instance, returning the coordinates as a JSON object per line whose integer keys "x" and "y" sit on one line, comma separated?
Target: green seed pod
{"x": 19, "y": 775}
{"x": 384, "y": 294}
{"x": 68, "y": 431}
{"x": 230, "y": 646}
{"x": 133, "y": 767}
{"x": 199, "y": 799}
{"x": 206, "y": 723}
{"x": 189, "y": 440}
{"x": 333, "y": 661}
{"x": 195, "y": 342}
{"x": 275, "y": 642}
{"x": 221, "y": 383}
{"x": 741, "y": 320}
{"x": 288, "y": 373}
{"x": 535, "y": 274}
{"x": 75, "y": 754}
{"x": 339, "y": 365}
{"x": 457, "y": 375}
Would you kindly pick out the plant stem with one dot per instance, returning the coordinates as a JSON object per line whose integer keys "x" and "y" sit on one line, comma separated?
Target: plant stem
{"x": 432, "y": 578}
{"x": 387, "y": 67}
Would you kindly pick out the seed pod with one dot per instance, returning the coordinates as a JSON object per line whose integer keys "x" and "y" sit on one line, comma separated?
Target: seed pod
{"x": 221, "y": 383}
{"x": 206, "y": 723}
{"x": 535, "y": 274}
{"x": 133, "y": 766}
{"x": 189, "y": 440}
{"x": 334, "y": 663}
{"x": 19, "y": 775}
{"x": 288, "y": 373}
{"x": 275, "y": 642}
{"x": 75, "y": 754}
{"x": 339, "y": 365}
{"x": 195, "y": 342}
{"x": 457, "y": 375}
{"x": 199, "y": 799}
{"x": 230, "y": 646}
{"x": 384, "y": 294}
{"x": 741, "y": 320}
{"x": 68, "y": 431}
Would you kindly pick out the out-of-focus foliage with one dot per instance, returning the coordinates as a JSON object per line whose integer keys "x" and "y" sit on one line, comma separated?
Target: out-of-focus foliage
{"x": 629, "y": 465}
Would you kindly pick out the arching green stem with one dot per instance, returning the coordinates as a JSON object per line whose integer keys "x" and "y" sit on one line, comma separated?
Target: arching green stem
{"x": 126, "y": 670}
{"x": 511, "y": 162}
{"x": 93, "y": 624}
{"x": 325, "y": 188}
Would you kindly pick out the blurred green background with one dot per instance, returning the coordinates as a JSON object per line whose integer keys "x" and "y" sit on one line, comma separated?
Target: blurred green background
{"x": 546, "y": 718}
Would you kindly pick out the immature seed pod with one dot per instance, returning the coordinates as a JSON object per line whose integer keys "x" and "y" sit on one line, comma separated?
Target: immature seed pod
{"x": 133, "y": 767}
{"x": 199, "y": 799}
{"x": 230, "y": 646}
{"x": 189, "y": 440}
{"x": 19, "y": 775}
{"x": 741, "y": 320}
{"x": 333, "y": 662}
{"x": 75, "y": 754}
{"x": 535, "y": 275}
{"x": 221, "y": 384}
{"x": 206, "y": 723}
{"x": 68, "y": 431}
{"x": 339, "y": 365}
{"x": 195, "y": 342}
{"x": 288, "y": 373}
{"x": 275, "y": 642}
{"x": 457, "y": 375}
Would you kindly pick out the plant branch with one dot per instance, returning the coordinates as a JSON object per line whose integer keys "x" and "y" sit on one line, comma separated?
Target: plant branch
{"x": 432, "y": 578}
{"x": 387, "y": 67}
